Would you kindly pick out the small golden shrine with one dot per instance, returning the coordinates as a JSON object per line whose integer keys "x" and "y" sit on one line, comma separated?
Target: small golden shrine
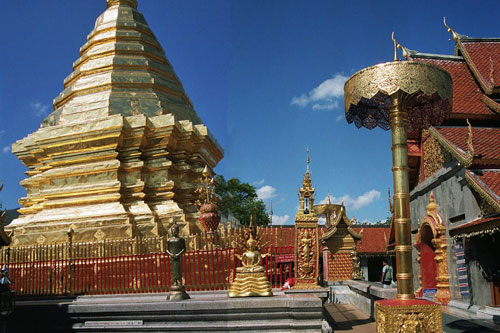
{"x": 432, "y": 255}
{"x": 119, "y": 155}
{"x": 251, "y": 279}
{"x": 339, "y": 241}
{"x": 306, "y": 237}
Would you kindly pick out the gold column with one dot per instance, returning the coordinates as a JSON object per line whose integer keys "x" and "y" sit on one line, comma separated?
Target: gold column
{"x": 409, "y": 96}
{"x": 399, "y": 123}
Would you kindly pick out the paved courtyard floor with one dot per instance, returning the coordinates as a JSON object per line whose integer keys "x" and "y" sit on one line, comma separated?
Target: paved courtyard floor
{"x": 346, "y": 318}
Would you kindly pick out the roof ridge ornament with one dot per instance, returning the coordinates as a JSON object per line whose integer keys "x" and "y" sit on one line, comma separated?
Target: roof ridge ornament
{"x": 456, "y": 36}
{"x": 470, "y": 147}
{"x": 404, "y": 50}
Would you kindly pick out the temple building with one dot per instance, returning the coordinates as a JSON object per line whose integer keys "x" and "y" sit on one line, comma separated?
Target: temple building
{"x": 339, "y": 240}
{"x": 455, "y": 182}
{"x": 371, "y": 250}
{"x": 119, "y": 155}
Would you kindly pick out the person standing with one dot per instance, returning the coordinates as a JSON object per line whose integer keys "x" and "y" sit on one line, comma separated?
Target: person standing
{"x": 386, "y": 274}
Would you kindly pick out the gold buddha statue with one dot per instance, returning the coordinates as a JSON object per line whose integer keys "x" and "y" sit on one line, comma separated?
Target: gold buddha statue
{"x": 251, "y": 279}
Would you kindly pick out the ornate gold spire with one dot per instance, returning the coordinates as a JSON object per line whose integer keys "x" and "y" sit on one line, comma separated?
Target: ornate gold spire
{"x": 432, "y": 206}
{"x": 131, "y": 3}
{"x": 306, "y": 192}
{"x": 307, "y": 159}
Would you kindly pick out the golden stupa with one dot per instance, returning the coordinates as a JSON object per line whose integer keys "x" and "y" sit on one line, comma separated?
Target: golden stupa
{"x": 119, "y": 155}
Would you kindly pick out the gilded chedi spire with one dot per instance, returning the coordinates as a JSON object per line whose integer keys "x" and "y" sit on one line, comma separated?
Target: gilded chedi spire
{"x": 130, "y": 3}
{"x": 119, "y": 155}
{"x": 122, "y": 69}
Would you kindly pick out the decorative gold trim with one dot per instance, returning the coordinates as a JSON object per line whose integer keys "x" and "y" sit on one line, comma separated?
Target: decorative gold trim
{"x": 481, "y": 191}
{"x": 433, "y": 220}
{"x": 450, "y": 147}
{"x": 408, "y": 318}
{"x": 485, "y": 85}
{"x": 494, "y": 106}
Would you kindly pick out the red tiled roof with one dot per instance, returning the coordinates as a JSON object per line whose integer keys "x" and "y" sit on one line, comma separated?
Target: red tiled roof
{"x": 486, "y": 141}
{"x": 467, "y": 94}
{"x": 479, "y": 54}
{"x": 476, "y": 222}
{"x": 374, "y": 240}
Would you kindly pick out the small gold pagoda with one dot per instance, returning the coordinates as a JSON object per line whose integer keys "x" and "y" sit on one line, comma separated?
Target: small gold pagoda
{"x": 119, "y": 155}
{"x": 306, "y": 237}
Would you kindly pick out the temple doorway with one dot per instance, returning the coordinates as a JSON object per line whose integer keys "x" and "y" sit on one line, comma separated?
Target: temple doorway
{"x": 427, "y": 260}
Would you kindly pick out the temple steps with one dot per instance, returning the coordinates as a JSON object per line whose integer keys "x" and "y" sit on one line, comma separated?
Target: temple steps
{"x": 205, "y": 311}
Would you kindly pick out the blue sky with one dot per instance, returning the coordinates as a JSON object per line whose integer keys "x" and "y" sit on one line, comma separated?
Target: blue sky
{"x": 266, "y": 77}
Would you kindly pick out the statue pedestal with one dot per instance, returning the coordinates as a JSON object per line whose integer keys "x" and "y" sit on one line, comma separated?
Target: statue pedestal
{"x": 408, "y": 316}
{"x": 250, "y": 284}
{"x": 177, "y": 293}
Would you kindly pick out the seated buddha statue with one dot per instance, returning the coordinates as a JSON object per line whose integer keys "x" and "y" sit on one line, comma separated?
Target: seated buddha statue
{"x": 250, "y": 259}
{"x": 251, "y": 279}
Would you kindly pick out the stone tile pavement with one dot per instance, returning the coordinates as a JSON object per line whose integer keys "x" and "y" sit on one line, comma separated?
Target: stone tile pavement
{"x": 346, "y": 318}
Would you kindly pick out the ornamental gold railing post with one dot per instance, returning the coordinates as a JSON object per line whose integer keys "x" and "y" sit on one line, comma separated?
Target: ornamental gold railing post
{"x": 70, "y": 260}
{"x": 402, "y": 223}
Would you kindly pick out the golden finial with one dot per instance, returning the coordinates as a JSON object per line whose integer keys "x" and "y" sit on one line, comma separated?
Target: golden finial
{"x": 131, "y": 3}
{"x": 328, "y": 202}
{"x": 205, "y": 172}
{"x": 453, "y": 33}
{"x": 432, "y": 206}
{"x": 205, "y": 192}
{"x": 470, "y": 147}
{"x": 307, "y": 159}
{"x": 404, "y": 50}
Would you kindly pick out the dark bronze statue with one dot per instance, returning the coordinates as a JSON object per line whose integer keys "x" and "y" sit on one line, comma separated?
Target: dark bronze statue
{"x": 176, "y": 246}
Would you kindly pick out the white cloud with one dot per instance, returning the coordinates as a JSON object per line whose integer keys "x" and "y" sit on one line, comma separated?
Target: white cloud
{"x": 266, "y": 192}
{"x": 6, "y": 149}
{"x": 339, "y": 117}
{"x": 325, "y": 96}
{"x": 280, "y": 220}
{"x": 355, "y": 203}
{"x": 258, "y": 182}
{"x": 39, "y": 108}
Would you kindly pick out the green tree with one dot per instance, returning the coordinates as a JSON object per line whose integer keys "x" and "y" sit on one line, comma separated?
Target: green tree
{"x": 241, "y": 198}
